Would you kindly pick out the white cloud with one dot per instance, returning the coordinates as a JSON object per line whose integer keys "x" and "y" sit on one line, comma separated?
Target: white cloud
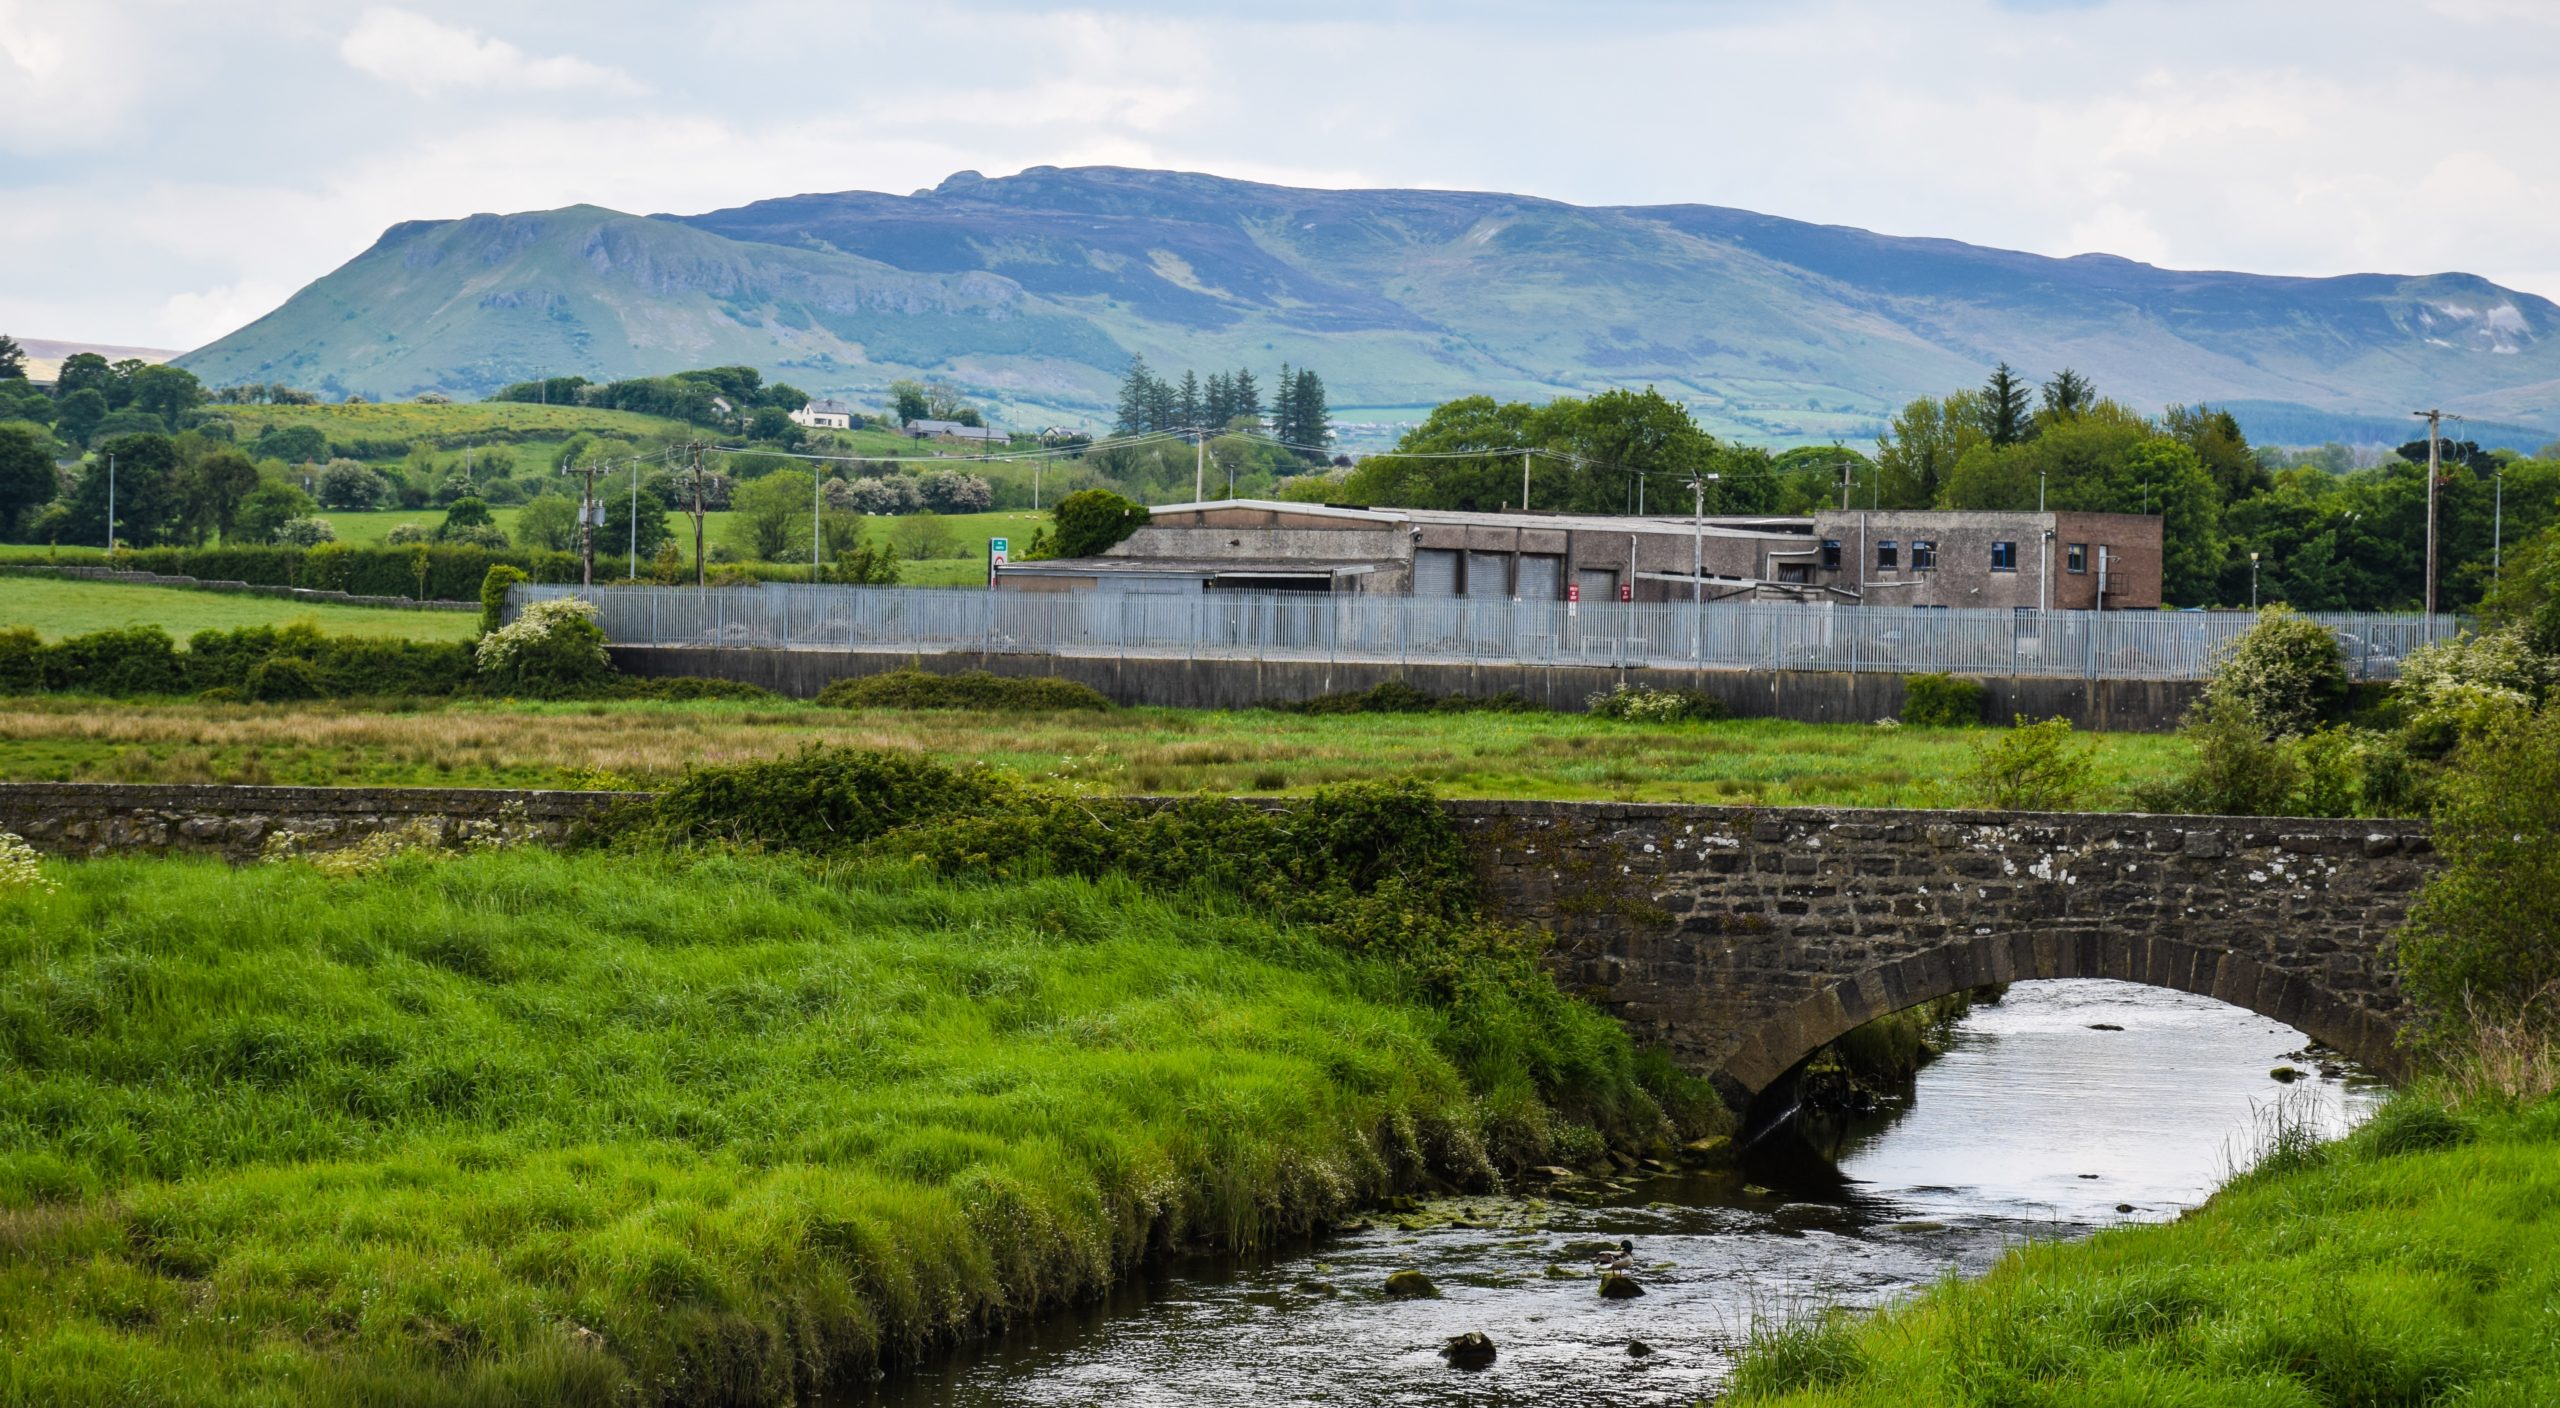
{"x": 400, "y": 46}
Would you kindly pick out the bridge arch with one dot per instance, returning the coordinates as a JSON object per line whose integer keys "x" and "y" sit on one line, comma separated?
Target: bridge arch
{"x": 1778, "y": 1043}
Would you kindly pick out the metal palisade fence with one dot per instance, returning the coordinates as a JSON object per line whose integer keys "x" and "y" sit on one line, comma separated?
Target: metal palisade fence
{"x": 2169, "y": 645}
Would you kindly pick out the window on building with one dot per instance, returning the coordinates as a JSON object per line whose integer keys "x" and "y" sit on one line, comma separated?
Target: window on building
{"x": 2004, "y": 557}
{"x": 1924, "y": 555}
{"x": 1888, "y": 555}
{"x": 1831, "y": 554}
{"x": 2076, "y": 559}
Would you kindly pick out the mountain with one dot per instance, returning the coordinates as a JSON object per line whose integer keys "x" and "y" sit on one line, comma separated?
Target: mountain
{"x": 1033, "y": 291}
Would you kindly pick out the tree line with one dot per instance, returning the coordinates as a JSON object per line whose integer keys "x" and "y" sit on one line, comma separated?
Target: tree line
{"x": 1226, "y": 401}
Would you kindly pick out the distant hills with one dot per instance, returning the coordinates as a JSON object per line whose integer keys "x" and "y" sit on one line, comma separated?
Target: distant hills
{"x": 1033, "y": 291}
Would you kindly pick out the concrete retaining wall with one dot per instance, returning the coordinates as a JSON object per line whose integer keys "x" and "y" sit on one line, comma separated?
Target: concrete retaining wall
{"x": 1807, "y": 696}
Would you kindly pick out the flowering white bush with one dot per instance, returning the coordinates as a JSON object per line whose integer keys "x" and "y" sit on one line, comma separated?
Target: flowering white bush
{"x": 422, "y": 835}
{"x": 2466, "y": 679}
{"x": 2282, "y": 672}
{"x": 554, "y": 648}
{"x": 18, "y": 868}
{"x": 1637, "y": 704}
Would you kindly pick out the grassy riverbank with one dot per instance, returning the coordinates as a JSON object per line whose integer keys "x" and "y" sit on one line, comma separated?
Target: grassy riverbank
{"x": 57, "y": 607}
{"x": 1757, "y": 762}
{"x": 2417, "y": 1262}
{"x": 683, "y": 1128}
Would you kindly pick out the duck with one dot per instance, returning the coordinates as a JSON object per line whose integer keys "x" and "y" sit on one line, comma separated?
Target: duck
{"x": 1623, "y": 1259}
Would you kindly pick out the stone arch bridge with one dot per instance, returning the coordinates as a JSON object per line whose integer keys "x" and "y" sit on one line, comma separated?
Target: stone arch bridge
{"x": 1744, "y": 939}
{"x": 1740, "y": 938}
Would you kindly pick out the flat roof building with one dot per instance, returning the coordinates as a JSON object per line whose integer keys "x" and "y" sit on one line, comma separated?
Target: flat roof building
{"x": 1916, "y": 558}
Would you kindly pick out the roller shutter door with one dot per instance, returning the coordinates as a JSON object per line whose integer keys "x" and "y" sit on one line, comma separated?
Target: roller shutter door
{"x": 1489, "y": 574}
{"x": 1597, "y": 583}
{"x": 1541, "y": 578}
{"x": 1435, "y": 572}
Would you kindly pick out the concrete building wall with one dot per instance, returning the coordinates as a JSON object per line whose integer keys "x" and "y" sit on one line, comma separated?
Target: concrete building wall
{"x": 1963, "y": 548}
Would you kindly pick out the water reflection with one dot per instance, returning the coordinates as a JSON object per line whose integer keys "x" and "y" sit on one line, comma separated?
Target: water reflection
{"x": 1992, "y": 1150}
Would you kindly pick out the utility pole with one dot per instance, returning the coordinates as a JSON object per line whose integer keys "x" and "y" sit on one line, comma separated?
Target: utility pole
{"x": 1524, "y": 479}
{"x": 2435, "y": 430}
{"x": 1200, "y": 466}
{"x": 635, "y": 520}
{"x": 696, "y": 448}
{"x": 111, "y": 510}
{"x": 2498, "y": 524}
{"x": 817, "y": 522}
{"x": 590, "y": 515}
{"x": 2253, "y": 581}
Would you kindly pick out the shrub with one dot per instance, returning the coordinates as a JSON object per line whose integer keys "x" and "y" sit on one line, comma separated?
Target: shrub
{"x": 2332, "y": 762}
{"x": 975, "y": 689}
{"x": 1637, "y": 704}
{"x": 493, "y": 595}
{"x": 2283, "y": 673}
{"x": 553, "y": 649}
{"x": 678, "y": 688}
{"x": 2455, "y": 687}
{"x": 21, "y": 660}
{"x": 819, "y": 800}
{"x": 407, "y": 535}
{"x": 2478, "y": 950}
{"x": 1942, "y": 701}
{"x": 2235, "y": 769}
{"x": 2033, "y": 767}
{"x": 281, "y": 678}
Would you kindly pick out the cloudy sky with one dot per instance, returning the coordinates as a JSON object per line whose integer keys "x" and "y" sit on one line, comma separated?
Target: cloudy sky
{"x": 170, "y": 169}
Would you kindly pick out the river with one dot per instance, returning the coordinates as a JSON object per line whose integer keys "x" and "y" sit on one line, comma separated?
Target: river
{"x": 2039, "y": 1123}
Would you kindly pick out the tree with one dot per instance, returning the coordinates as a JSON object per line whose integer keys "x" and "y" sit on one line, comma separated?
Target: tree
{"x": 1089, "y": 522}
{"x": 1918, "y": 455}
{"x": 86, "y": 371}
{"x": 1245, "y": 397}
{"x": 1187, "y": 405}
{"x": 1312, "y": 420}
{"x": 2004, "y": 407}
{"x": 549, "y": 522}
{"x": 76, "y": 414}
{"x": 1284, "y": 403}
{"x": 349, "y": 485}
{"x": 165, "y": 391}
{"x": 770, "y": 423}
{"x": 1218, "y": 400}
{"x": 294, "y": 444}
{"x": 26, "y": 473}
{"x": 907, "y": 401}
{"x": 614, "y": 538}
{"x": 2066, "y": 395}
{"x": 770, "y": 512}
{"x": 2478, "y": 946}
{"x": 946, "y": 492}
{"x": 13, "y": 358}
{"x": 2219, "y": 445}
{"x": 1137, "y": 400}
{"x": 921, "y": 537}
{"x": 212, "y": 489}
{"x": 265, "y": 510}
{"x": 146, "y": 504}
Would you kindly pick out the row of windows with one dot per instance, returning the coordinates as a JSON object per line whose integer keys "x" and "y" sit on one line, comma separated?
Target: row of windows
{"x": 1924, "y": 556}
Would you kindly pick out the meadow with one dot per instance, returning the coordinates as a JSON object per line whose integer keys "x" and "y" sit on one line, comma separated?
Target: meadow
{"x": 961, "y": 562}
{"x": 68, "y": 607}
{"x": 1751, "y": 762}
{"x": 685, "y": 1128}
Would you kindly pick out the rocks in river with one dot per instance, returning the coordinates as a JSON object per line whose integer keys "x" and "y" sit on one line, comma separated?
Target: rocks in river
{"x": 1557, "y": 1272}
{"x": 1800, "y": 1217}
{"x": 1410, "y": 1284}
{"x": 2285, "y": 1075}
{"x": 1714, "y": 1151}
{"x": 2104, "y": 1027}
{"x": 1638, "y": 1349}
{"x": 2124, "y": 1207}
{"x": 1472, "y": 1350}
{"x": 2089, "y": 1175}
{"x": 1318, "y": 1288}
{"x": 1618, "y": 1285}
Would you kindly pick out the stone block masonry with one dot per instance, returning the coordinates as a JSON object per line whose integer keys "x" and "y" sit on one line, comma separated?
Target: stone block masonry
{"x": 1743, "y": 940}
{"x": 1740, "y": 939}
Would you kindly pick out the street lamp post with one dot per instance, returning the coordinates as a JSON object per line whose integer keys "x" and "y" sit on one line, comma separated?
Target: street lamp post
{"x": 1698, "y": 566}
{"x": 2253, "y": 581}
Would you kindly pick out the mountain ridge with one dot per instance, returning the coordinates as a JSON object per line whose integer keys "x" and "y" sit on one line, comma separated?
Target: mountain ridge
{"x": 1032, "y": 292}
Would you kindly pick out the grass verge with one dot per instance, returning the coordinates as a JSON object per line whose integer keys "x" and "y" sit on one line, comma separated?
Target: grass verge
{"x": 696, "y": 1128}
{"x": 2415, "y": 1263}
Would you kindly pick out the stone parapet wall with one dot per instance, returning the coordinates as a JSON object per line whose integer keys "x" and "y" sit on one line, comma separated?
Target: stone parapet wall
{"x": 98, "y": 819}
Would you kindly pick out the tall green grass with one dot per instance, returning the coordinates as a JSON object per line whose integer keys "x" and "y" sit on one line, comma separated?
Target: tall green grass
{"x": 2415, "y": 1263}
{"x": 699, "y": 1128}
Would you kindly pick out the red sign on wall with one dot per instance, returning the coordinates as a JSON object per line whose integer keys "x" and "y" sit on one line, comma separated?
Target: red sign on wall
{"x": 1626, "y": 591}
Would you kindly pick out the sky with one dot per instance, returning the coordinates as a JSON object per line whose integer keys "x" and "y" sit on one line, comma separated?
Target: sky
{"x": 172, "y": 169}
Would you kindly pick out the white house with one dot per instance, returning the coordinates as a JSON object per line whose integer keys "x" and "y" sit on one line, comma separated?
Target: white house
{"x": 824, "y": 415}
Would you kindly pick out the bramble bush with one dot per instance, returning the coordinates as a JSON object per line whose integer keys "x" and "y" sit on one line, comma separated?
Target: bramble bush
{"x": 2479, "y": 950}
{"x": 2032, "y": 767}
{"x": 1942, "y": 701}
{"x": 1637, "y": 704}
{"x": 553, "y": 649}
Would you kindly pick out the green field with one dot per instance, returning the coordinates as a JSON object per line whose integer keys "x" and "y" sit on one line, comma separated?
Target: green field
{"x": 1756, "y": 762}
{"x": 57, "y": 608}
{"x": 451, "y": 427}
{"x": 658, "y": 1128}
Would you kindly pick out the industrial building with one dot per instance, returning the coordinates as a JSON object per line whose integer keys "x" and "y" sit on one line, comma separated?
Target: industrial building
{"x": 1895, "y": 558}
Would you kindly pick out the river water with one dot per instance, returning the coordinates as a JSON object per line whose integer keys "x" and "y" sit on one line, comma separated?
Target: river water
{"x": 2037, "y": 1124}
